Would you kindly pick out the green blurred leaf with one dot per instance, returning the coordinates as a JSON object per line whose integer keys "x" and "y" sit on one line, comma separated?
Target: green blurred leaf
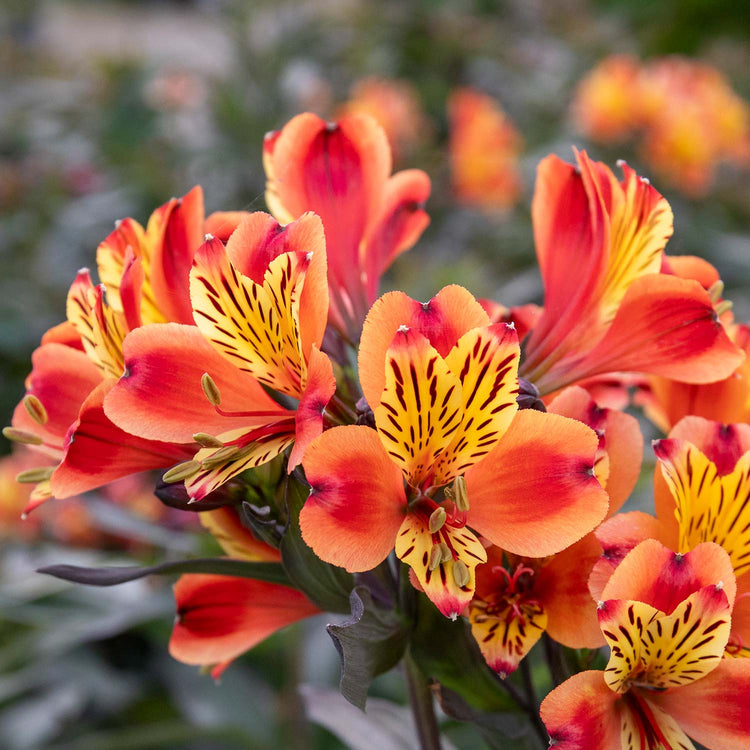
{"x": 370, "y": 643}
{"x": 115, "y": 574}
{"x": 327, "y": 586}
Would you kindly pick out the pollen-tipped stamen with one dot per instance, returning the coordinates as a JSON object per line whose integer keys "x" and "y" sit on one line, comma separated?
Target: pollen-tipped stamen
{"x": 460, "y": 573}
{"x": 716, "y": 290}
{"x": 207, "y": 441}
{"x": 21, "y": 436}
{"x": 35, "y": 409}
{"x": 723, "y": 306}
{"x": 221, "y": 455}
{"x": 460, "y": 494}
{"x": 33, "y": 476}
{"x": 185, "y": 470}
{"x": 437, "y": 519}
{"x": 210, "y": 389}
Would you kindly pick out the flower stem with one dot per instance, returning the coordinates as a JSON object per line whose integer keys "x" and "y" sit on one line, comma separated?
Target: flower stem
{"x": 422, "y": 707}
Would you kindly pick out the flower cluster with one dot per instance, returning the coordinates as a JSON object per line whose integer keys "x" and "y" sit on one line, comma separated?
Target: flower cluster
{"x": 440, "y": 466}
{"x": 687, "y": 115}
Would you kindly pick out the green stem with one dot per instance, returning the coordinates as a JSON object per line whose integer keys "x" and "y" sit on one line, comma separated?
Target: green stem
{"x": 423, "y": 710}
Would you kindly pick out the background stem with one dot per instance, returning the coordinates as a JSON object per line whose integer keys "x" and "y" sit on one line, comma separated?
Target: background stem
{"x": 422, "y": 706}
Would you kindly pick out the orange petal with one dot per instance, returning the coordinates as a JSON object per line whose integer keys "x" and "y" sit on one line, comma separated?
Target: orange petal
{"x": 221, "y": 224}
{"x": 655, "y": 575}
{"x": 357, "y": 501}
{"x": 536, "y": 493}
{"x": 485, "y": 360}
{"x": 620, "y": 438}
{"x": 320, "y": 387}
{"x": 691, "y": 267}
{"x": 714, "y": 710}
{"x": 582, "y": 713}
{"x": 63, "y": 333}
{"x": 664, "y": 651}
{"x": 420, "y": 409}
{"x": 562, "y": 588}
{"x": 399, "y": 225}
{"x": 160, "y": 396}
{"x": 61, "y": 378}
{"x": 235, "y": 538}
{"x": 618, "y": 536}
{"x": 98, "y": 452}
{"x": 414, "y": 546}
{"x": 443, "y": 320}
{"x": 221, "y": 617}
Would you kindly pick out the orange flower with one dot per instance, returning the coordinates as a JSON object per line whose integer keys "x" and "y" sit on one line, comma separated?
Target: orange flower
{"x": 616, "y": 312}
{"x": 484, "y": 149}
{"x": 447, "y": 456}
{"x": 666, "y": 618}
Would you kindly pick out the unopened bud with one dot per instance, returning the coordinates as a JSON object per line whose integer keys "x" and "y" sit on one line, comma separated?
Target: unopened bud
{"x": 436, "y": 557}
{"x": 207, "y": 441}
{"x": 723, "y": 306}
{"x": 32, "y": 476}
{"x": 716, "y": 290}
{"x": 210, "y": 389}
{"x": 460, "y": 495}
{"x": 185, "y": 470}
{"x": 460, "y": 573}
{"x": 437, "y": 520}
{"x": 21, "y": 436}
{"x": 35, "y": 408}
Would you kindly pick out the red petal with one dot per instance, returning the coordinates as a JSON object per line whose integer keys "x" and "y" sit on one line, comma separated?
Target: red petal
{"x": 357, "y": 502}
{"x": 443, "y": 320}
{"x": 98, "y": 452}
{"x": 221, "y": 224}
{"x": 655, "y": 575}
{"x": 536, "y": 493}
{"x": 221, "y": 617}
{"x": 581, "y": 714}
{"x": 160, "y": 397}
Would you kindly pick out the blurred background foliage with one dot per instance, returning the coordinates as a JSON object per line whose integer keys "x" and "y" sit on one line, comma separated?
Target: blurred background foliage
{"x": 107, "y": 109}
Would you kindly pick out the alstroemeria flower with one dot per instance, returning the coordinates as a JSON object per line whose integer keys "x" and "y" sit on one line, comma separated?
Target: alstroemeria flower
{"x": 666, "y": 618}
{"x": 342, "y": 172}
{"x": 616, "y": 312}
{"x": 518, "y": 598}
{"x": 448, "y": 456}
{"x": 484, "y": 150}
{"x": 144, "y": 274}
{"x": 701, "y": 489}
{"x": 260, "y": 307}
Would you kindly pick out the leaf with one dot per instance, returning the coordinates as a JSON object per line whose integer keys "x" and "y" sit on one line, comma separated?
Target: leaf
{"x": 447, "y": 652}
{"x": 326, "y": 586}
{"x": 112, "y": 575}
{"x": 371, "y": 642}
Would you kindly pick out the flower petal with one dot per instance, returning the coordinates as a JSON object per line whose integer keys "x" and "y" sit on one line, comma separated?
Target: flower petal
{"x": 235, "y": 538}
{"x": 357, "y": 501}
{"x": 160, "y": 396}
{"x": 221, "y": 617}
{"x": 536, "y": 493}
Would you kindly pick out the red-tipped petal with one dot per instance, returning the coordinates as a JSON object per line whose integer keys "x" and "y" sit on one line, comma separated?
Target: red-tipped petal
{"x": 357, "y": 502}
{"x": 321, "y": 385}
{"x": 581, "y": 714}
{"x": 221, "y": 224}
{"x": 63, "y": 333}
{"x": 443, "y": 320}
{"x": 536, "y": 493}
{"x": 160, "y": 396}
{"x": 221, "y": 617}
{"x": 98, "y": 452}
{"x": 655, "y": 575}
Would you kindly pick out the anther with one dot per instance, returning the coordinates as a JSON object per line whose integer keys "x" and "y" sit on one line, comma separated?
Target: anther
{"x": 460, "y": 494}
{"x": 35, "y": 408}
{"x": 185, "y": 470}
{"x": 716, "y": 290}
{"x": 436, "y": 557}
{"x": 210, "y": 389}
{"x": 221, "y": 455}
{"x": 446, "y": 550}
{"x": 21, "y": 436}
{"x": 207, "y": 441}
{"x": 460, "y": 573}
{"x": 723, "y": 306}
{"x": 32, "y": 476}
{"x": 437, "y": 520}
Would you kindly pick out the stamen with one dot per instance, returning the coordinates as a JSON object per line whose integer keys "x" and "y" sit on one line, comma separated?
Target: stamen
{"x": 460, "y": 495}
{"x": 436, "y": 557}
{"x": 210, "y": 389}
{"x": 32, "y": 476}
{"x": 21, "y": 436}
{"x": 437, "y": 519}
{"x": 207, "y": 441}
{"x": 221, "y": 455}
{"x": 723, "y": 306}
{"x": 185, "y": 470}
{"x": 716, "y": 290}
{"x": 35, "y": 409}
{"x": 460, "y": 573}
{"x": 446, "y": 550}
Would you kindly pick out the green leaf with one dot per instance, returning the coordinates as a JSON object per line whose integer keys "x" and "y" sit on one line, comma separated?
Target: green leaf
{"x": 115, "y": 574}
{"x": 371, "y": 642}
{"x": 447, "y": 652}
{"x": 327, "y": 586}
